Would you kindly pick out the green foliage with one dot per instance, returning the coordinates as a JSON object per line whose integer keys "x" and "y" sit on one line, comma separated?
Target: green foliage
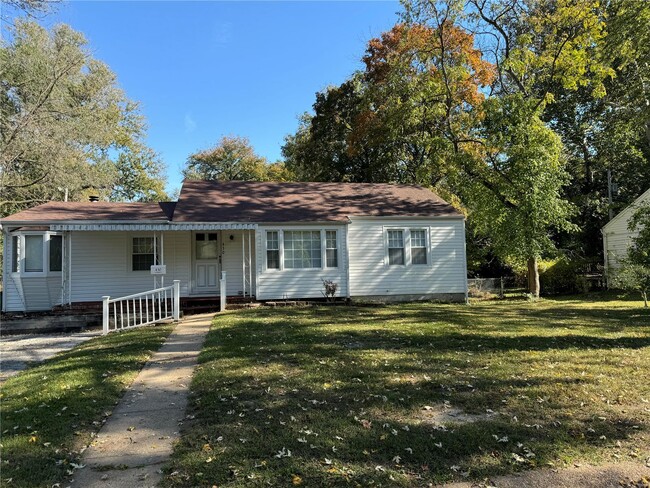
{"x": 233, "y": 158}
{"x": 66, "y": 125}
{"x": 514, "y": 193}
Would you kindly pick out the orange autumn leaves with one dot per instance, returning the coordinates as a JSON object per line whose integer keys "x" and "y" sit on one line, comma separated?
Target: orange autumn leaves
{"x": 446, "y": 53}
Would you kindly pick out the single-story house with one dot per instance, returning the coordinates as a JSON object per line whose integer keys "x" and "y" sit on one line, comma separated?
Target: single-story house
{"x": 274, "y": 241}
{"x": 617, "y": 237}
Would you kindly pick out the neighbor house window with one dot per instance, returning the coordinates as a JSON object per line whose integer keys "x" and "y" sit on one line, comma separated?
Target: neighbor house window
{"x": 56, "y": 253}
{"x": 331, "y": 249}
{"x": 143, "y": 256}
{"x": 15, "y": 252}
{"x": 396, "y": 247}
{"x": 33, "y": 253}
{"x": 272, "y": 250}
{"x": 418, "y": 246}
{"x": 302, "y": 249}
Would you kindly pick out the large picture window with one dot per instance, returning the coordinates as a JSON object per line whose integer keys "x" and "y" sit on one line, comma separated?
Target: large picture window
{"x": 36, "y": 253}
{"x": 418, "y": 246}
{"x": 302, "y": 249}
{"x": 143, "y": 254}
{"x": 396, "y": 247}
{"x": 272, "y": 250}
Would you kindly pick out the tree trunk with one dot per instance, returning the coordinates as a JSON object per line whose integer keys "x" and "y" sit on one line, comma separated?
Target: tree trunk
{"x": 645, "y": 299}
{"x": 533, "y": 277}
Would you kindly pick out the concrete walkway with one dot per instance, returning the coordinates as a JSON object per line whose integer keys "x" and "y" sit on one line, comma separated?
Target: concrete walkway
{"x": 138, "y": 437}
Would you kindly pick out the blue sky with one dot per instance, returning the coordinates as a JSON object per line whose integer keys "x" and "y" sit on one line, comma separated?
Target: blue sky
{"x": 202, "y": 70}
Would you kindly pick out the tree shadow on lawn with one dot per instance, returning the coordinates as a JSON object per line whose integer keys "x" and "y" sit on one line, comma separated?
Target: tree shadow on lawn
{"x": 52, "y": 409}
{"x": 339, "y": 387}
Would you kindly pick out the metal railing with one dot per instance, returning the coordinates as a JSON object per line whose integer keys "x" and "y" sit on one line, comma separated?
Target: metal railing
{"x": 146, "y": 308}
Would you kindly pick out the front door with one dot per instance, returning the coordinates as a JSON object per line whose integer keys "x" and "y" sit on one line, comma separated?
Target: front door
{"x": 206, "y": 262}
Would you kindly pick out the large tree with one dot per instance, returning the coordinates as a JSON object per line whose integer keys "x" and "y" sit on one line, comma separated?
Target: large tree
{"x": 66, "y": 129}
{"x": 513, "y": 175}
{"x": 233, "y": 158}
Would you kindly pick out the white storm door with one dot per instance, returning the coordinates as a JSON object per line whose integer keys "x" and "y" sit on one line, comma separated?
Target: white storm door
{"x": 206, "y": 262}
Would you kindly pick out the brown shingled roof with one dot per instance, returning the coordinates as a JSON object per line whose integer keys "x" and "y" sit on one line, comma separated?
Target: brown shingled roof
{"x": 252, "y": 201}
{"x": 63, "y": 211}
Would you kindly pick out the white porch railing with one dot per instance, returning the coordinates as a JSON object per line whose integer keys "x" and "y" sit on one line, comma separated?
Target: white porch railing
{"x": 146, "y": 308}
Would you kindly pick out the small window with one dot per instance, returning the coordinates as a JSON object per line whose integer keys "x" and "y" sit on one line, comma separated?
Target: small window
{"x": 302, "y": 249}
{"x": 395, "y": 247}
{"x": 272, "y": 250}
{"x": 33, "y": 254}
{"x": 206, "y": 246}
{"x": 418, "y": 246}
{"x": 56, "y": 253}
{"x": 331, "y": 249}
{"x": 143, "y": 253}
{"x": 15, "y": 252}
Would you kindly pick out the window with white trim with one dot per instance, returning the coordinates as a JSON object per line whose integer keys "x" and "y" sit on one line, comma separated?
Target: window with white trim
{"x": 396, "y": 255}
{"x": 272, "y": 250}
{"x": 302, "y": 249}
{"x": 15, "y": 253}
{"x": 56, "y": 253}
{"x": 418, "y": 246}
{"x": 331, "y": 249}
{"x": 33, "y": 254}
{"x": 142, "y": 254}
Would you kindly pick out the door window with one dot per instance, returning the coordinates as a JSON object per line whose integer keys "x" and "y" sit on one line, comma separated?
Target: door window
{"x": 206, "y": 246}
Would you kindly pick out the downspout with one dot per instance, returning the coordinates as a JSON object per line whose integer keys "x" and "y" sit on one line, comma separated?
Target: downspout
{"x": 70, "y": 268}
{"x": 4, "y": 267}
{"x": 347, "y": 261}
{"x": 465, "y": 264}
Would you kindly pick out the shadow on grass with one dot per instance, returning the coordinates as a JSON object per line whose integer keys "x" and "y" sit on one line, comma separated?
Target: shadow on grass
{"x": 51, "y": 410}
{"x": 345, "y": 391}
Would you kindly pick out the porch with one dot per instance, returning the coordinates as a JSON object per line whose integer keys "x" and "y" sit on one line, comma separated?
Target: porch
{"x": 72, "y": 266}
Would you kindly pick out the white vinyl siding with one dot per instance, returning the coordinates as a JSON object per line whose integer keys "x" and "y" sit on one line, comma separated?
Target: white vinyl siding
{"x": 293, "y": 283}
{"x": 102, "y": 264}
{"x": 371, "y": 275}
{"x": 617, "y": 238}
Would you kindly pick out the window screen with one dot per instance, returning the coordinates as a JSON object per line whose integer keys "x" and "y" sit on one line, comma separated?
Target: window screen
{"x": 418, "y": 246}
{"x": 143, "y": 255}
{"x": 56, "y": 253}
{"x": 395, "y": 247}
{"x": 331, "y": 249}
{"x": 33, "y": 254}
{"x": 272, "y": 250}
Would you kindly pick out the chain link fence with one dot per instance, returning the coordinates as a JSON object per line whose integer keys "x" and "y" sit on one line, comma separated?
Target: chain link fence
{"x": 505, "y": 286}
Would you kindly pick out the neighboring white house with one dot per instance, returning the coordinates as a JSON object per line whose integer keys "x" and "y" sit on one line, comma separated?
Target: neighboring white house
{"x": 273, "y": 241}
{"x": 617, "y": 237}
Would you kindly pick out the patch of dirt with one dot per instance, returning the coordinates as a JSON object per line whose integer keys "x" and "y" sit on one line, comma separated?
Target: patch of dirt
{"x": 610, "y": 475}
{"x": 438, "y": 415}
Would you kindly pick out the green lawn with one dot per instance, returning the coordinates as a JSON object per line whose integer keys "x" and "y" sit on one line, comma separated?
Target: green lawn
{"x": 49, "y": 412}
{"x": 362, "y": 396}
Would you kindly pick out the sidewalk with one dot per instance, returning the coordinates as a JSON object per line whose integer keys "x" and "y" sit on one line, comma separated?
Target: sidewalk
{"x": 138, "y": 438}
